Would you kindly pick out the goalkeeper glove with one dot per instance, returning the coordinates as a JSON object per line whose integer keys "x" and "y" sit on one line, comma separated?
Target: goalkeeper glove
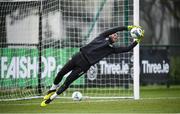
{"x": 133, "y": 26}
{"x": 138, "y": 39}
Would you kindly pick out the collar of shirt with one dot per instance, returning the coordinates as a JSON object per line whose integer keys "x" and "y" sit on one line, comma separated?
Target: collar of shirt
{"x": 110, "y": 41}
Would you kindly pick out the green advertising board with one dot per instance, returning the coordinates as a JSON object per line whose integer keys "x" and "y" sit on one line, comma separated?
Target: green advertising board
{"x": 19, "y": 66}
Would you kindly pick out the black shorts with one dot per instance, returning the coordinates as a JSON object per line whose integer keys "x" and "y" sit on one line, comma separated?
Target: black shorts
{"x": 80, "y": 61}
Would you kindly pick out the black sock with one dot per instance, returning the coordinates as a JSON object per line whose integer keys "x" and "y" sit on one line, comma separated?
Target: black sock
{"x": 61, "y": 89}
{"x": 48, "y": 101}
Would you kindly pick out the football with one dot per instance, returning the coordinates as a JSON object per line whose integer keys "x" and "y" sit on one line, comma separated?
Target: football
{"x": 136, "y": 32}
{"x": 77, "y": 96}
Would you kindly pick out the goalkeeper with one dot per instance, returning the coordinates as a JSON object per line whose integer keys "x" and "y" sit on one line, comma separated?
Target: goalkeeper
{"x": 90, "y": 54}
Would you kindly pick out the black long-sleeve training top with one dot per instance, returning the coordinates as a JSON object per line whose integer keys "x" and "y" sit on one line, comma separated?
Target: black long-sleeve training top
{"x": 102, "y": 46}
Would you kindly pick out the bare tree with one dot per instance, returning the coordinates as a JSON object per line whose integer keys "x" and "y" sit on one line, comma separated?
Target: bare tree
{"x": 156, "y": 14}
{"x": 173, "y": 7}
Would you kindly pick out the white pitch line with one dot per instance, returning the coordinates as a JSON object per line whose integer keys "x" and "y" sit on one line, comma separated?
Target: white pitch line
{"x": 160, "y": 98}
{"x": 90, "y": 113}
{"x": 91, "y": 101}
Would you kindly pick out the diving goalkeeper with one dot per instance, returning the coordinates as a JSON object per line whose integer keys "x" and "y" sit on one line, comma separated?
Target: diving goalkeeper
{"x": 88, "y": 55}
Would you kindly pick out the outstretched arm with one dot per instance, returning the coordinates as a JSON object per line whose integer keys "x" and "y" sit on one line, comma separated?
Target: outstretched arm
{"x": 113, "y": 30}
{"x": 125, "y": 49}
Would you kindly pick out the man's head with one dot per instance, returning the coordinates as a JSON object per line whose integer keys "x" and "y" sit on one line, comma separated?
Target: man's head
{"x": 114, "y": 37}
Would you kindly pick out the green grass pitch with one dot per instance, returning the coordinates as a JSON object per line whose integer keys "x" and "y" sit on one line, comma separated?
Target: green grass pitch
{"x": 154, "y": 99}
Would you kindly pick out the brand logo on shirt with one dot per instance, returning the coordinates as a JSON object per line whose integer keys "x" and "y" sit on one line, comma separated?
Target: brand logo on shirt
{"x": 107, "y": 39}
{"x": 110, "y": 45}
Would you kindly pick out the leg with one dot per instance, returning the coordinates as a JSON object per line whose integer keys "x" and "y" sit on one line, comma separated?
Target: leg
{"x": 75, "y": 74}
{"x": 74, "y": 62}
{"x": 67, "y": 67}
